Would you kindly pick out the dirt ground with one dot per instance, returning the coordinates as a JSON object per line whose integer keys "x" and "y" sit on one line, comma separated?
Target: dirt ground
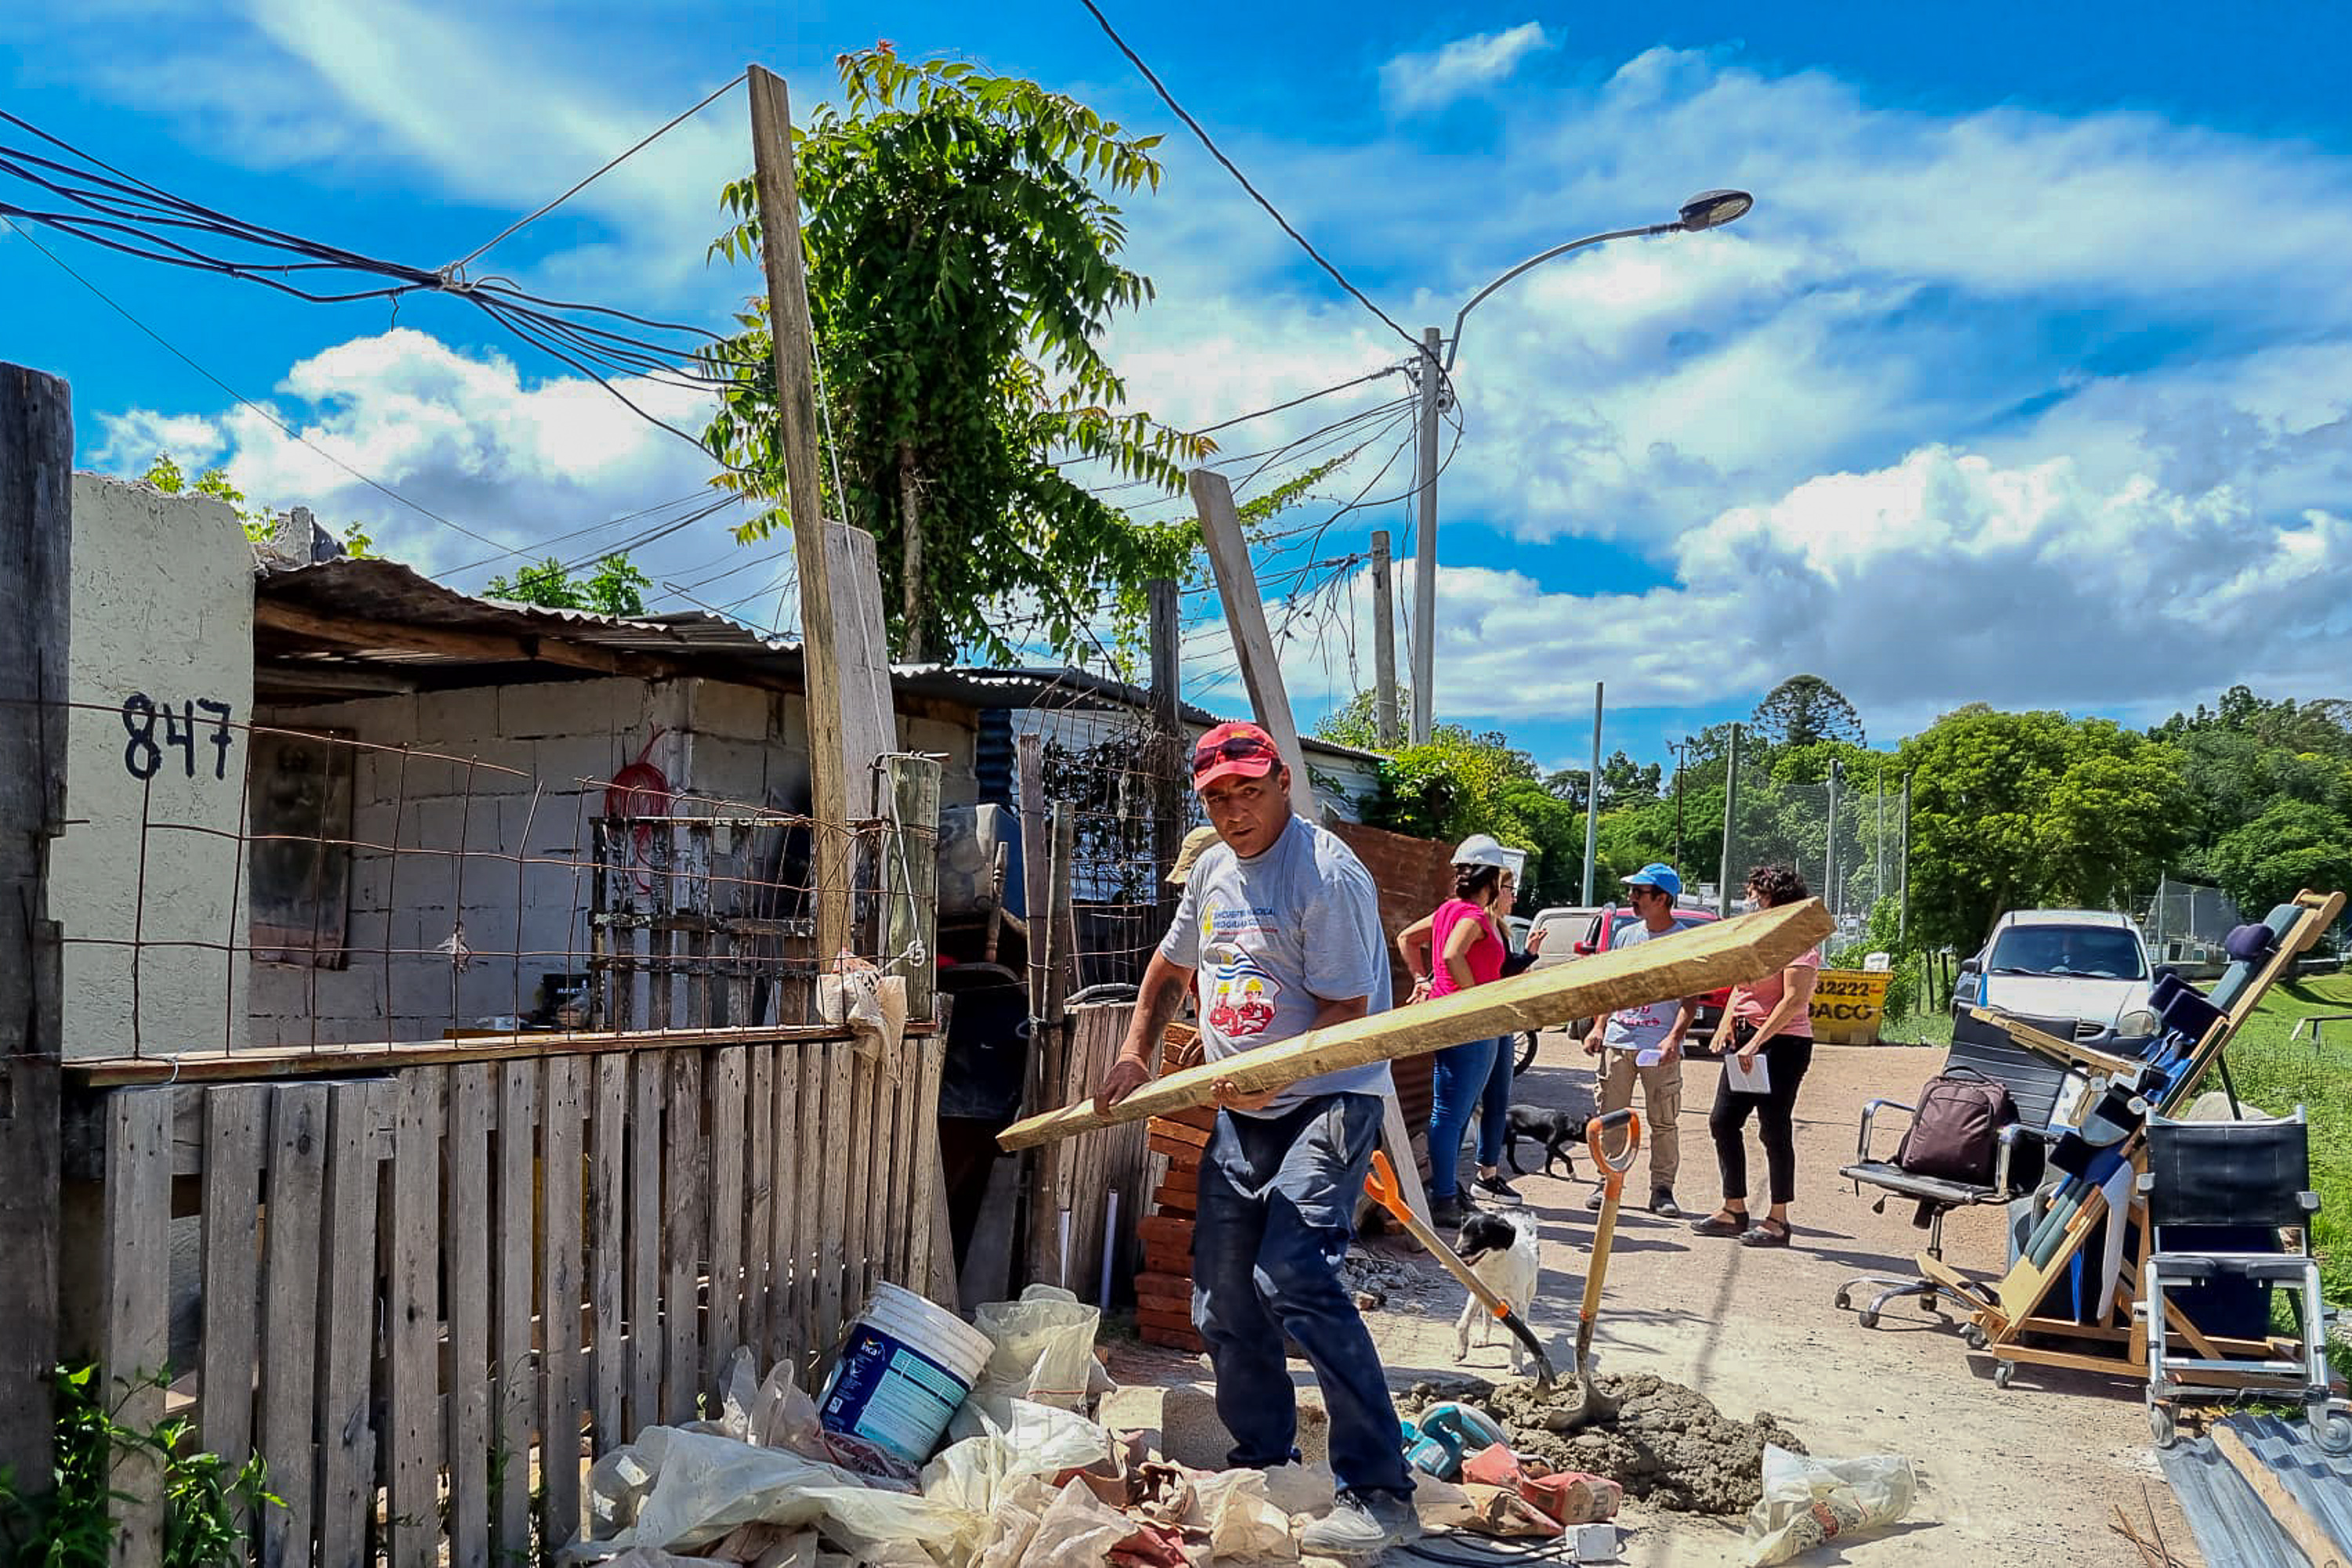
{"x": 2019, "y": 1476}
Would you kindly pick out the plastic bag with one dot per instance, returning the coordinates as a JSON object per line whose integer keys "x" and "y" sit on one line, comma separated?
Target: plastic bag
{"x": 675, "y": 1490}
{"x": 1045, "y": 1352}
{"x": 1807, "y": 1501}
{"x": 977, "y": 1476}
{"x": 1241, "y": 1520}
{"x": 1077, "y": 1531}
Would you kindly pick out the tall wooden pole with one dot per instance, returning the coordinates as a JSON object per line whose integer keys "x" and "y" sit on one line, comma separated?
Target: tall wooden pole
{"x": 1384, "y": 698}
{"x": 35, "y": 556}
{"x": 846, "y": 664}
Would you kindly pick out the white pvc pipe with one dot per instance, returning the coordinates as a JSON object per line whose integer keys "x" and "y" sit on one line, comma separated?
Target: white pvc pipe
{"x": 1110, "y": 1234}
{"x": 1062, "y": 1279}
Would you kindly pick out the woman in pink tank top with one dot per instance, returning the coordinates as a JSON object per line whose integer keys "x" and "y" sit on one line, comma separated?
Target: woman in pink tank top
{"x": 1462, "y": 945}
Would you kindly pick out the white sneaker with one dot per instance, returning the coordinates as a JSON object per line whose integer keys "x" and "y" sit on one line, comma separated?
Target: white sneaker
{"x": 1361, "y": 1524}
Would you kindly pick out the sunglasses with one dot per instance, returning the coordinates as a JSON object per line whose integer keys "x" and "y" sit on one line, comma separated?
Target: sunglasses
{"x": 1233, "y": 748}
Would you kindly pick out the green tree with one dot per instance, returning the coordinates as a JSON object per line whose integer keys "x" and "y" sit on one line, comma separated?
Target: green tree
{"x": 1462, "y": 783}
{"x": 2293, "y": 845}
{"x": 615, "y": 588}
{"x": 1804, "y": 708}
{"x": 963, "y": 263}
{"x": 260, "y": 522}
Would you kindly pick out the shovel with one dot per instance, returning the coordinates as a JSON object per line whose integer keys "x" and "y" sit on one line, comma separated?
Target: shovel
{"x": 1612, "y": 1187}
{"x": 1381, "y": 1183}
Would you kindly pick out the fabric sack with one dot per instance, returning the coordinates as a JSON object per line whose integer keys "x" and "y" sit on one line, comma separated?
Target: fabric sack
{"x": 1955, "y": 1132}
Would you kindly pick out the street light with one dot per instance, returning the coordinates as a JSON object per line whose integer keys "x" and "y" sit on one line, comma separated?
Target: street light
{"x": 1708, "y": 209}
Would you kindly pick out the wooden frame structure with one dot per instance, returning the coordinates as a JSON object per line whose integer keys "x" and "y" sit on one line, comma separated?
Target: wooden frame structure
{"x": 2009, "y": 1313}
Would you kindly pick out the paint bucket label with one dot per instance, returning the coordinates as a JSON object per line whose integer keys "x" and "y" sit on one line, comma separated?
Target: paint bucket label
{"x": 891, "y": 1394}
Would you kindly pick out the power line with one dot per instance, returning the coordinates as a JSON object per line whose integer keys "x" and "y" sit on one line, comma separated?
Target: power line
{"x": 458, "y": 267}
{"x": 1169, "y": 99}
{"x": 288, "y": 430}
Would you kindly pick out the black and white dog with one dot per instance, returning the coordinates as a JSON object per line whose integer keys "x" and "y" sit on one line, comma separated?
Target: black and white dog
{"x": 1560, "y": 1131}
{"x": 1500, "y": 1248}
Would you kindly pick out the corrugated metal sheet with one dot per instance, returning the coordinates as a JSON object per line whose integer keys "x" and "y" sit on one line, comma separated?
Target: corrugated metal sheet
{"x": 2233, "y": 1527}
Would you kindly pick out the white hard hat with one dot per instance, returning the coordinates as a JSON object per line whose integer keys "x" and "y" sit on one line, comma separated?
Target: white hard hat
{"x": 1481, "y": 849}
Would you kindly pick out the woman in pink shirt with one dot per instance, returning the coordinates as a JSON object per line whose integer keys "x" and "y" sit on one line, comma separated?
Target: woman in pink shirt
{"x": 1769, "y": 1025}
{"x": 1462, "y": 945}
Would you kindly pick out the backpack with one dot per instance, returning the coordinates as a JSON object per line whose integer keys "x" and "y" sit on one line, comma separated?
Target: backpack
{"x": 1955, "y": 1132}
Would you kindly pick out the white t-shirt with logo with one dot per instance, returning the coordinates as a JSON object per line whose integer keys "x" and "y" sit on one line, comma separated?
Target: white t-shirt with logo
{"x": 1642, "y": 1028}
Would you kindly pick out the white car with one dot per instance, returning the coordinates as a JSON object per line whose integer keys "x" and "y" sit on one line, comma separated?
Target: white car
{"x": 2089, "y": 965}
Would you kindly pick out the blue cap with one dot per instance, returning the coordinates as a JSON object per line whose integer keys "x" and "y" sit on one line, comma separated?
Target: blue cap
{"x": 1659, "y": 875}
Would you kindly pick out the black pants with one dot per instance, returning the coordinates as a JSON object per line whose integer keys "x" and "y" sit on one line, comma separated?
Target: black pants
{"x": 1786, "y": 1060}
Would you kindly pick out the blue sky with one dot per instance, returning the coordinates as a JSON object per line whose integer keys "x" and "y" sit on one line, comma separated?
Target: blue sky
{"x": 2025, "y": 382}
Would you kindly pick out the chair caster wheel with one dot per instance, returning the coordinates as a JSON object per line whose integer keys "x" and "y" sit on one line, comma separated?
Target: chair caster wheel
{"x": 1869, "y": 1318}
{"x": 1975, "y": 1338}
{"x": 1844, "y": 1298}
{"x": 2003, "y": 1372}
{"x": 2161, "y": 1426}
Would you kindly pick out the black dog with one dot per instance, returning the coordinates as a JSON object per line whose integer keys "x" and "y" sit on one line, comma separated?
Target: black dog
{"x": 1558, "y": 1130}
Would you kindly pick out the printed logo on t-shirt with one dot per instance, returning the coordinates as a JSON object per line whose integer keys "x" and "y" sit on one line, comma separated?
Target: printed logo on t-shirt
{"x": 1242, "y": 995}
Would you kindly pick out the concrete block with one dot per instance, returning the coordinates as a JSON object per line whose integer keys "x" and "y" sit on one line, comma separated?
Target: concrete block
{"x": 1181, "y": 1423}
{"x": 738, "y": 712}
{"x": 462, "y": 720}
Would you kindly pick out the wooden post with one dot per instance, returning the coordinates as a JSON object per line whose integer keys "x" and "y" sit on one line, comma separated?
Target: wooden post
{"x": 1385, "y": 690}
{"x": 1050, "y": 1049}
{"x": 1221, "y": 531}
{"x": 910, "y": 937}
{"x": 1036, "y": 882}
{"x": 1166, "y": 758}
{"x": 36, "y": 555}
{"x": 842, "y": 652}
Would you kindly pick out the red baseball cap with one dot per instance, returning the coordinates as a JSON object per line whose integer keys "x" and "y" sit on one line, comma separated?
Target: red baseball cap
{"x": 1238, "y": 751}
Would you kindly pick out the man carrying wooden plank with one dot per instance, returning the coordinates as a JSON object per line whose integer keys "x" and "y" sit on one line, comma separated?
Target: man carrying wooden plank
{"x": 1280, "y": 924}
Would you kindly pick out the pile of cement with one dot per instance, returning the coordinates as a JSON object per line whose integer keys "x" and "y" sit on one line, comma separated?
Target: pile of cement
{"x": 1667, "y": 1446}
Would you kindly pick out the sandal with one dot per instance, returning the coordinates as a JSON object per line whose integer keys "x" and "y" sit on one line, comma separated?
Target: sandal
{"x": 1765, "y": 1233}
{"x": 1721, "y": 1223}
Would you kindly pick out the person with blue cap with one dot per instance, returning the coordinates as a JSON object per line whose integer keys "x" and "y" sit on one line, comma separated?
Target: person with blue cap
{"x": 1646, "y": 1042}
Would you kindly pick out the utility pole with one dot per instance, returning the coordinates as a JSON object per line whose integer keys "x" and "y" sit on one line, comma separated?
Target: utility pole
{"x": 1730, "y": 816}
{"x": 1829, "y": 847}
{"x": 1592, "y": 798}
{"x": 1430, "y": 380}
{"x": 1384, "y": 691}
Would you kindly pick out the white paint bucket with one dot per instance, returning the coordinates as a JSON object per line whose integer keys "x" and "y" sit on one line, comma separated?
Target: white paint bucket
{"x": 906, "y": 1366}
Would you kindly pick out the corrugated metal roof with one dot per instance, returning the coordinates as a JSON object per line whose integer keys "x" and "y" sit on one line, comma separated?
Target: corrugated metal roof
{"x": 2233, "y": 1527}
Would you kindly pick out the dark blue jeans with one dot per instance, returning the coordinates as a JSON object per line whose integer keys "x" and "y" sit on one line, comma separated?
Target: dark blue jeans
{"x": 1464, "y": 1080}
{"x": 1277, "y": 1206}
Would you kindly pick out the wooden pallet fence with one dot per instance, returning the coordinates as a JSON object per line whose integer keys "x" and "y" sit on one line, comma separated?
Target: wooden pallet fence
{"x": 434, "y": 1296}
{"x": 1077, "y": 1180}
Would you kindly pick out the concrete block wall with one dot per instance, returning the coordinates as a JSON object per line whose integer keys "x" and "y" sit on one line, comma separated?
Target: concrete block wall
{"x": 162, "y": 616}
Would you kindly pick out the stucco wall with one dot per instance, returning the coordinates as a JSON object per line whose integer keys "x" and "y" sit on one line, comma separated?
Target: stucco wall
{"x": 163, "y": 613}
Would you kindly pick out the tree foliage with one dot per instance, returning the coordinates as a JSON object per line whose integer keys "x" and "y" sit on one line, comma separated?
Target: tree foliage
{"x": 2291, "y": 845}
{"x": 962, "y": 254}
{"x": 1805, "y": 708}
{"x": 260, "y": 522}
{"x": 615, "y": 588}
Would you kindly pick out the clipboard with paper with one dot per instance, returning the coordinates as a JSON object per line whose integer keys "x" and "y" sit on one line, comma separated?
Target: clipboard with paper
{"x": 1741, "y": 1079}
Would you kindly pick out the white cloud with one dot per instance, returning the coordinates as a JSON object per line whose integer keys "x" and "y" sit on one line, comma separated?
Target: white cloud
{"x": 1413, "y": 83}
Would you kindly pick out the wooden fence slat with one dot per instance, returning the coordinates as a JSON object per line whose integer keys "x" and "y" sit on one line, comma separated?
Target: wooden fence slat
{"x": 906, "y": 1195}
{"x": 833, "y": 1259}
{"x": 814, "y": 1073}
{"x": 881, "y": 1219}
{"x": 784, "y": 1248}
{"x": 518, "y": 1370}
{"x": 289, "y": 1318}
{"x": 472, "y": 1111}
{"x": 562, "y": 1107}
{"x": 606, "y": 1252}
{"x": 135, "y": 1338}
{"x": 683, "y": 1231}
{"x": 413, "y": 1314}
{"x": 645, "y": 1201}
{"x": 729, "y": 1085}
{"x": 236, "y": 1122}
{"x": 759, "y": 1182}
{"x": 855, "y": 1132}
{"x": 926, "y": 1265}
{"x": 358, "y": 1115}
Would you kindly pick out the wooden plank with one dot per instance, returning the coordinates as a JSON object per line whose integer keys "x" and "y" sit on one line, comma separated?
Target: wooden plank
{"x": 413, "y": 1321}
{"x": 268, "y": 1062}
{"x": 684, "y": 1228}
{"x": 644, "y": 1263}
{"x": 913, "y": 1132}
{"x": 621, "y": 949}
{"x": 883, "y": 1122}
{"x": 2309, "y": 1536}
{"x": 759, "y": 1199}
{"x": 36, "y": 464}
{"x": 289, "y": 1316}
{"x": 466, "y": 1258}
{"x": 729, "y": 1081}
{"x": 563, "y": 1106}
{"x": 1228, "y": 549}
{"x": 134, "y": 1340}
{"x": 237, "y": 1123}
{"x": 815, "y": 1176}
{"x": 359, "y": 1117}
{"x": 845, "y": 661}
{"x": 854, "y": 1133}
{"x": 930, "y": 1266}
{"x": 1722, "y": 952}
{"x": 911, "y": 873}
{"x": 517, "y": 1367}
{"x": 783, "y": 1245}
{"x": 608, "y": 1254}
{"x": 832, "y": 1236}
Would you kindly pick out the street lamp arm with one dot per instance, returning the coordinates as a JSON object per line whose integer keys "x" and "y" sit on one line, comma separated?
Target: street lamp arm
{"x": 1455, "y": 345}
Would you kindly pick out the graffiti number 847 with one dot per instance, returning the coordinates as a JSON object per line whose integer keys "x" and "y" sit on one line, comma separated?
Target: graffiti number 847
{"x": 143, "y": 753}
